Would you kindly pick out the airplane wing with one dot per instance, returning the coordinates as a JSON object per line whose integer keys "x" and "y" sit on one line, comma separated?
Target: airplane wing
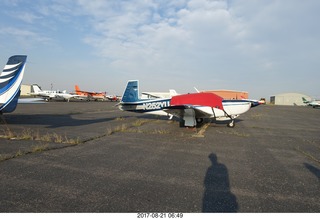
{"x": 92, "y": 93}
{"x": 198, "y": 99}
{"x": 199, "y": 111}
{"x": 189, "y": 107}
{"x": 151, "y": 95}
{"x": 155, "y": 95}
{"x": 39, "y": 95}
{"x": 88, "y": 93}
{"x": 30, "y": 100}
{"x": 68, "y": 96}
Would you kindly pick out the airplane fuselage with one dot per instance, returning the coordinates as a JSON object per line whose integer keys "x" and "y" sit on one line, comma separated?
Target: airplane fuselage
{"x": 157, "y": 106}
{"x": 189, "y": 108}
{"x": 153, "y": 106}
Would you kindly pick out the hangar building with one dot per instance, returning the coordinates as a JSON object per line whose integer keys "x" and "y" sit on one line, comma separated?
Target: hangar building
{"x": 25, "y": 90}
{"x": 229, "y": 94}
{"x": 293, "y": 99}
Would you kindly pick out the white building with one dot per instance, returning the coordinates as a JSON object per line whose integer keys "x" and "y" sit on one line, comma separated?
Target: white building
{"x": 25, "y": 90}
{"x": 289, "y": 99}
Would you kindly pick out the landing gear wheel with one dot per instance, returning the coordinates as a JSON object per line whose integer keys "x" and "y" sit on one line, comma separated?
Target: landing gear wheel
{"x": 231, "y": 124}
{"x": 199, "y": 120}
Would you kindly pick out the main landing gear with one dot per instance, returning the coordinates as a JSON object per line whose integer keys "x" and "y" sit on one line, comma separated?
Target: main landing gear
{"x": 199, "y": 121}
{"x": 231, "y": 124}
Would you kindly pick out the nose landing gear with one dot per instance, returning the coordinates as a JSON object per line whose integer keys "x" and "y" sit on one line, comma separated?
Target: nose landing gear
{"x": 231, "y": 124}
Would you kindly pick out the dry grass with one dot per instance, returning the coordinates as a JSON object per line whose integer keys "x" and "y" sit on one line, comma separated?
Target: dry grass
{"x": 139, "y": 122}
{"x": 39, "y": 148}
{"x": 119, "y": 128}
{"x": 7, "y": 133}
{"x": 28, "y": 134}
{"x": 120, "y": 119}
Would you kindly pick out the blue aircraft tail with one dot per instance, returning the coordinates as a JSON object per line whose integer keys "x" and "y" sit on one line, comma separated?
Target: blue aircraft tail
{"x": 10, "y": 83}
{"x": 131, "y": 93}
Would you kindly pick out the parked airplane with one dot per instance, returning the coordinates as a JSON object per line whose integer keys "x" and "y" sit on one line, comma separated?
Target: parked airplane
{"x": 53, "y": 94}
{"x": 313, "y": 103}
{"x": 153, "y": 95}
{"x": 10, "y": 83}
{"x": 90, "y": 94}
{"x": 113, "y": 98}
{"x": 67, "y": 96}
{"x": 190, "y": 108}
{"x": 46, "y": 94}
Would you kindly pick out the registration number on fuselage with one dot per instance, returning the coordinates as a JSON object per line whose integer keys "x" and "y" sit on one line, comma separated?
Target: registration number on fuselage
{"x": 156, "y": 105}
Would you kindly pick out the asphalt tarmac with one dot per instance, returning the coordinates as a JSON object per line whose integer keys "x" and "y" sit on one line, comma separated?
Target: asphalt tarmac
{"x": 92, "y": 157}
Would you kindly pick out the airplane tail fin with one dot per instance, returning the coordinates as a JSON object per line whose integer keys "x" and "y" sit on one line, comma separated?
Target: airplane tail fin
{"x": 10, "y": 83}
{"x": 77, "y": 89}
{"x": 35, "y": 89}
{"x": 131, "y": 93}
{"x": 304, "y": 100}
{"x": 173, "y": 93}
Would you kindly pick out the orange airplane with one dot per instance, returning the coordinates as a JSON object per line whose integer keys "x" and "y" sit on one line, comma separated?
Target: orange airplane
{"x": 91, "y": 95}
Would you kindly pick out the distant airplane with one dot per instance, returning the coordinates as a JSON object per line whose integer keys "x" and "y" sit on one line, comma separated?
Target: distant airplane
{"x": 313, "y": 103}
{"x": 113, "y": 98}
{"x": 153, "y": 95}
{"x": 53, "y": 94}
{"x": 254, "y": 103}
{"x": 90, "y": 94}
{"x": 10, "y": 83}
{"x": 189, "y": 108}
{"x": 67, "y": 96}
{"x": 46, "y": 94}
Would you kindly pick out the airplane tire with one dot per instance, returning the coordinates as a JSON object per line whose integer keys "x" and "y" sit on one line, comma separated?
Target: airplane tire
{"x": 181, "y": 123}
{"x": 199, "y": 120}
{"x": 231, "y": 124}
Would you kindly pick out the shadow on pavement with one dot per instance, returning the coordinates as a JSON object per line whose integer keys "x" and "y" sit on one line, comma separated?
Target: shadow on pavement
{"x": 217, "y": 196}
{"x": 313, "y": 170}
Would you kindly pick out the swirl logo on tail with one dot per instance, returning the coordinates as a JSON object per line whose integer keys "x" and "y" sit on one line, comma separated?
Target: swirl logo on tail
{"x": 10, "y": 83}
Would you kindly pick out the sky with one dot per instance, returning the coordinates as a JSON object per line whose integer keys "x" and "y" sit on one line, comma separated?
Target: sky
{"x": 264, "y": 47}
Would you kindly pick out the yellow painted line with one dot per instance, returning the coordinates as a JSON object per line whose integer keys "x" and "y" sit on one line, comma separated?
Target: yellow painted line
{"x": 202, "y": 130}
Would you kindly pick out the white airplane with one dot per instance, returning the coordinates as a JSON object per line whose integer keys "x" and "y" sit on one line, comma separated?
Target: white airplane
{"x": 154, "y": 95}
{"x": 46, "y": 94}
{"x": 52, "y": 94}
{"x": 113, "y": 98}
{"x": 189, "y": 108}
{"x": 313, "y": 103}
{"x": 67, "y": 96}
{"x": 10, "y": 83}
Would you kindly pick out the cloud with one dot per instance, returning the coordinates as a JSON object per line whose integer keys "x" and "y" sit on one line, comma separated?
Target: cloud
{"x": 153, "y": 31}
{"x": 25, "y": 16}
{"x": 23, "y": 36}
{"x": 216, "y": 43}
